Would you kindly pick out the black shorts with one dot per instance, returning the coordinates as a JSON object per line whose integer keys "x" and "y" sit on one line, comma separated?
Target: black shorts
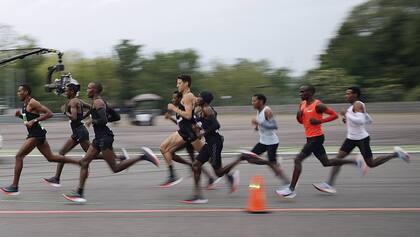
{"x": 188, "y": 135}
{"x": 41, "y": 139}
{"x": 314, "y": 145}
{"x": 103, "y": 143}
{"x": 80, "y": 134}
{"x": 270, "y": 149}
{"x": 363, "y": 145}
{"x": 39, "y": 135}
{"x": 212, "y": 152}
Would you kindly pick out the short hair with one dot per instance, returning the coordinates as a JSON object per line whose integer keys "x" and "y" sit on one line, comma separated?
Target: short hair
{"x": 98, "y": 86}
{"x": 185, "y": 78}
{"x": 27, "y": 88}
{"x": 355, "y": 90}
{"x": 207, "y": 96}
{"x": 73, "y": 87}
{"x": 261, "y": 97}
{"x": 310, "y": 88}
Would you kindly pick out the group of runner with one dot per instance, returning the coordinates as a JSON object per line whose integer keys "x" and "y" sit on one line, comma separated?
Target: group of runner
{"x": 198, "y": 131}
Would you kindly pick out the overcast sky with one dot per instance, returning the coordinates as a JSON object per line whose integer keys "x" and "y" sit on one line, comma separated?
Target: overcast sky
{"x": 288, "y": 33}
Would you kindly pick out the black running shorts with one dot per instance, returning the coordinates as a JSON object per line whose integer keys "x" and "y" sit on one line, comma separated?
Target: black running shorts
{"x": 212, "y": 152}
{"x": 103, "y": 143}
{"x": 363, "y": 145}
{"x": 270, "y": 149}
{"x": 80, "y": 134}
{"x": 314, "y": 145}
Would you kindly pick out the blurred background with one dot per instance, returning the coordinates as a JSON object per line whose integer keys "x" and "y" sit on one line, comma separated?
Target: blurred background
{"x": 231, "y": 49}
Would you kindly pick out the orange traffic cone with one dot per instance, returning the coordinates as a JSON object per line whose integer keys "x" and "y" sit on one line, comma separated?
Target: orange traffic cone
{"x": 256, "y": 199}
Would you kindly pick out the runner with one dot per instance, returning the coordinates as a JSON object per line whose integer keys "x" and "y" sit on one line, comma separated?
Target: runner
{"x": 310, "y": 114}
{"x": 32, "y": 113}
{"x": 176, "y": 100}
{"x": 356, "y": 118}
{"x": 212, "y": 150}
{"x": 102, "y": 143}
{"x": 80, "y": 135}
{"x": 266, "y": 126}
{"x": 186, "y": 132}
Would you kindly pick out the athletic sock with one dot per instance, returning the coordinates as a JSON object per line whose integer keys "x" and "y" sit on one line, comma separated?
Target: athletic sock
{"x": 171, "y": 171}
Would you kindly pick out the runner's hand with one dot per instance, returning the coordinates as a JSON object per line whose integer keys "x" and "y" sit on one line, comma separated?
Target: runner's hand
{"x": 18, "y": 113}
{"x": 29, "y": 124}
{"x": 168, "y": 115}
{"x": 314, "y": 121}
{"x": 171, "y": 107}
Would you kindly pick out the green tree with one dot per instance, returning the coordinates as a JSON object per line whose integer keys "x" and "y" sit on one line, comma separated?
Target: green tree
{"x": 330, "y": 84}
{"x": 380, "y": 39}
{"x": 129, "y": 66}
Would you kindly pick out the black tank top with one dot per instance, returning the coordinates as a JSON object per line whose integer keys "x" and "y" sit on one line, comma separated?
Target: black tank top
{"x": 36, "y": 130}
{"x": 100, "y": 130}
{"x": 74, "y": 124}
{"x": 205, "y": 124}
{"x": 185, "y": 125}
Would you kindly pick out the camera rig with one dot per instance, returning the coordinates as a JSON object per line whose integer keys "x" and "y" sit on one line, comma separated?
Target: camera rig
{"x": 58, "y": 85}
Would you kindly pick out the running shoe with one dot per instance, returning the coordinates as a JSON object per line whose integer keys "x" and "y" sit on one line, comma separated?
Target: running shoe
{"x": 53, "y": 181}
{"x": 11, "y": 190}
{"x": 361, "y": 164}
{"x": 403, "y": 155}
{"x": 75, "y": 197}
{"x": 233, "y": 181}
{"x": 172, "y": 181}
{"x": 286, "y": 193}
{"x": 245, "y": 155}
{"x": 212, "y": 183}
{"x": 196, "y": 199}
{"x": 324, "y": 187}
{"x": 125, "y": 155}
{"x": 150, "y": 156}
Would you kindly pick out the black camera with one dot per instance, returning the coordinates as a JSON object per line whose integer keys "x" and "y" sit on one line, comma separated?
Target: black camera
{"x": 59, "y": 85}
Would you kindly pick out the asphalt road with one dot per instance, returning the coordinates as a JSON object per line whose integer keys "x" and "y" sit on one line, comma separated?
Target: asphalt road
{"x": 385, "y": 202}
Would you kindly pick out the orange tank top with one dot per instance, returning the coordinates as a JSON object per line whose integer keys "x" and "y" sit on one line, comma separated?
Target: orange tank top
{"x": 309, "y": 112}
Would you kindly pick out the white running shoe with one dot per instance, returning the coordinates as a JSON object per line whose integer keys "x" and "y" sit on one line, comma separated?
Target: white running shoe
{"x": 125, "y": 154}
{"x": 235, "y": 181}
{"x": 286, "y": 193}
{"x": 361, "y": 164}
{"x": 324, "y": 187}
{"x": 150, "y": 156}
{"x": 196, "y": 200}
{"x": 403, "y": 155}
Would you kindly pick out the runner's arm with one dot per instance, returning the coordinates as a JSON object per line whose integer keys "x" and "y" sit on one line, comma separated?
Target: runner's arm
{"x": 99, "y": 105}
{"x": 269, "y": 122}
{"x": 211, "y": 117}
{"x": 322, "y": 108}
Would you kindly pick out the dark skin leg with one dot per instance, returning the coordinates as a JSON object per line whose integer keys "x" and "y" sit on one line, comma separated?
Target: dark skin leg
{"x": 197, "y": 173}
{"x": 273, "y": 165}
{"x": 297, "y": 170}
{"x": 109, "y": 156}
{"x": 370, "y": 162}
{"x": 68, "y": 146}
{"x": 84, "y": 171}
{"x": 181, "y": 160}
{"x": 324, "y": 161}
{"x": 46, "y": 151}
{"x": 197, "y": 168}
{"x": 24, "y": 150}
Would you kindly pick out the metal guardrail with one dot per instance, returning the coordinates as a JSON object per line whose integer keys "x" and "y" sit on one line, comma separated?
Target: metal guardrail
{"x": 10, "y": 118}
{"x": 379, "y": 107}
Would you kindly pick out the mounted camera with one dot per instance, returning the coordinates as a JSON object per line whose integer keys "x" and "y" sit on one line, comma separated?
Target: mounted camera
{"x": 59, "y": 85}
